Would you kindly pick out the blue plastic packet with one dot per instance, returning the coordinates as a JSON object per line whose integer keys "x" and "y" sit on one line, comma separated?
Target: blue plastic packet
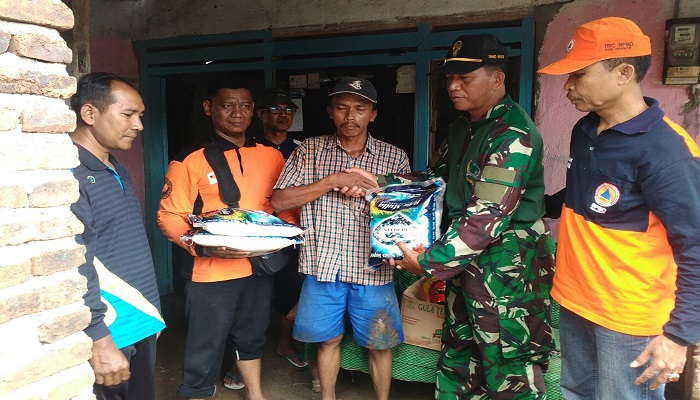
{"x": 408, "y": 212}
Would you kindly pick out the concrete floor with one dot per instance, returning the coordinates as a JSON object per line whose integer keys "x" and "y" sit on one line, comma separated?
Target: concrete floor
{"x": 280, "y": 380}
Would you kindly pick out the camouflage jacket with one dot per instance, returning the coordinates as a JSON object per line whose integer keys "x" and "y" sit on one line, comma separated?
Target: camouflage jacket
{"x": 495, "y": 178}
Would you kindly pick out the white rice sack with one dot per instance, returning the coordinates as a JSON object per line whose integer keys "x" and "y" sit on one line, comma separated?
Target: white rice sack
{"x": 408, "y": 212}
{"x": 240, "y": 222}
{"x": 255, "y": 244}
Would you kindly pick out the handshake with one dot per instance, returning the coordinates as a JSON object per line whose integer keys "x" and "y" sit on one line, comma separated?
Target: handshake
{"x": 352, "y": 182}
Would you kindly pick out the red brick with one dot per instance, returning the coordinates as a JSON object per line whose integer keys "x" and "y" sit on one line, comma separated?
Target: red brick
{"x": 49, "y": 120}
{"x": 50, "y": 188}
{"x": 40, "y": 294}
{"x": 62, "y": 322}
{"x": 17, "y": 80}
{"x": 53, "y": 256}
{"x": 52, "y": 13}
{"x": 41, "y": 47}
{"x": 24, "y": 225}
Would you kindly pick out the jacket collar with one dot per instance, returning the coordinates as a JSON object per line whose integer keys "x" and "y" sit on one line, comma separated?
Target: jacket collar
{"x": 90, "y": 161}
{"x": 643, "y": 122}
{"x": 224, "y": 144}
{"x": 498, "y": 110}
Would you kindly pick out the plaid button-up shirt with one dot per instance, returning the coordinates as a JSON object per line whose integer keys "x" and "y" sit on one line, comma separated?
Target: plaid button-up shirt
{"x": 337, "y": 247}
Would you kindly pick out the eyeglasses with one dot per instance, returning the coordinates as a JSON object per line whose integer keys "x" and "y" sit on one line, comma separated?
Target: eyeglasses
{"x": 278, "y": 110}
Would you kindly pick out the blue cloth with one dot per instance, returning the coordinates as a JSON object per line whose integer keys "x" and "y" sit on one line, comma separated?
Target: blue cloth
{"x": 373, "y": 310}
{"x": 595, "y": 362}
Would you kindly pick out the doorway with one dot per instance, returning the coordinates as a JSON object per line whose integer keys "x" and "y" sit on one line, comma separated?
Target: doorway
{"x": 172, "y": 72}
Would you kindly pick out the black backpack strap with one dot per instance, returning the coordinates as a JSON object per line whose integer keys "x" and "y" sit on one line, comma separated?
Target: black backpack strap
{"x": 228, "y": 189}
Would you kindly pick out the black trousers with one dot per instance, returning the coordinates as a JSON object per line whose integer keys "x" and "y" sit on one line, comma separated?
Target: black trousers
{"x": 287, "y": 286}
{"x": 141, "y": 384}
{"x": 236, "y": 311}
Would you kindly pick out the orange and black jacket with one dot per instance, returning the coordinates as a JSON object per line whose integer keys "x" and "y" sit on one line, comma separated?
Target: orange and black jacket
{"x": 628, "y": 255}
{"x": 191, "y": 187}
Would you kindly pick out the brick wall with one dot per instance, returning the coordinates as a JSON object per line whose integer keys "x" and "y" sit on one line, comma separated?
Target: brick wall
{"x": 43, "y": 351}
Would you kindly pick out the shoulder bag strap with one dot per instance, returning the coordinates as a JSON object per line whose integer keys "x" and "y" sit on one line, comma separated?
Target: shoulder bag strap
{"x": 228, "y": 189}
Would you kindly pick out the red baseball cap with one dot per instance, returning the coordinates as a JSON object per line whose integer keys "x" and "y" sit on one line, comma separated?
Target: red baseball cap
{"x": 598, "y": 40}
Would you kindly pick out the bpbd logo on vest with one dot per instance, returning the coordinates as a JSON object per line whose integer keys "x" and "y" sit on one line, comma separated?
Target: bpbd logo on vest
{"x": 606, "y": 195}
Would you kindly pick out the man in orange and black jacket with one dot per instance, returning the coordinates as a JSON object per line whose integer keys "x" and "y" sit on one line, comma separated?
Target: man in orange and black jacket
{"x": 224, "y": 301}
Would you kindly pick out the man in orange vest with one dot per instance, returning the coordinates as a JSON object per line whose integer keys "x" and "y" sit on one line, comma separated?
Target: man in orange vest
{"x": 628, "y": 260}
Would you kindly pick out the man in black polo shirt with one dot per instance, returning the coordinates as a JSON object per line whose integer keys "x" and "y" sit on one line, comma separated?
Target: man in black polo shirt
{"x": 122, "y": 292}
{"x": 276, "y": 110}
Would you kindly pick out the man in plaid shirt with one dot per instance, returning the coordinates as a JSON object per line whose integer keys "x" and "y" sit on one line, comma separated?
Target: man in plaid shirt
{"x": 334, "y": 257}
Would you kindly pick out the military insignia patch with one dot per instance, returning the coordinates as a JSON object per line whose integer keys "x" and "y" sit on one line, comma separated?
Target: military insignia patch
{"x": 456, "y": 48}
{"x": 473, "y": 172}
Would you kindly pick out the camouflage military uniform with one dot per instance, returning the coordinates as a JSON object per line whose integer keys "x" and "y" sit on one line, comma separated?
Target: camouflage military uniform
{"x": 496, "y": 256}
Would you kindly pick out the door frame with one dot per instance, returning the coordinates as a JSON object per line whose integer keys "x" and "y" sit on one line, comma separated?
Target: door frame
{"x": 260, "y": 51}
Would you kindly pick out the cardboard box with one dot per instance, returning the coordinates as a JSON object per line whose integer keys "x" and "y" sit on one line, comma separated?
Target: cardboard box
{"x": 421, "y": 321}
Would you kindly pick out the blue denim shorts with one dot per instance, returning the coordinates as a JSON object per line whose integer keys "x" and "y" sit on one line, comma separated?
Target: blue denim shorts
{"x": 373, "y": 311}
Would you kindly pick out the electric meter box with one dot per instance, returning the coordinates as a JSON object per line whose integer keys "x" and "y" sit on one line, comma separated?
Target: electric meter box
{"x": 682, "y": 53}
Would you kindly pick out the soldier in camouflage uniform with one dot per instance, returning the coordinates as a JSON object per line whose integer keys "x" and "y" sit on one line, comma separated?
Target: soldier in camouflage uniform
{"x": 497, "y": 255}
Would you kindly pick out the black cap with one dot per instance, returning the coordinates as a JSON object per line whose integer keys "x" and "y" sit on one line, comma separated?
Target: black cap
{"x": 471, "y": 52}
{"x": 273, "y": 96}
{"x": 359, "y": 86}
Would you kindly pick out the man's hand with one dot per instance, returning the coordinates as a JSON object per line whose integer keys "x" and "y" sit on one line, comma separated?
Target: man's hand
{"x": 364, "y": 173}
{"x": 667, "y": 357}
{"x": 352, "y": 184}
{"x": 224, "y": 252}
{"x": 409, "y": 262}
{"x": 110, "y": 365}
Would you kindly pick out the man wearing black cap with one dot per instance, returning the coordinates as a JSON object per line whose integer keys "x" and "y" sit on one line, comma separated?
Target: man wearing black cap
{"x": 496, "y": 256}
{"x": 334, "y": 257}
{"x": 276, "y": 111}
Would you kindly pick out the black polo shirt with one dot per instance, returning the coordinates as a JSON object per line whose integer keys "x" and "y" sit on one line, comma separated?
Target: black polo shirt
{"x": 114, "y": 236}
{"x": 286, "y": 147}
